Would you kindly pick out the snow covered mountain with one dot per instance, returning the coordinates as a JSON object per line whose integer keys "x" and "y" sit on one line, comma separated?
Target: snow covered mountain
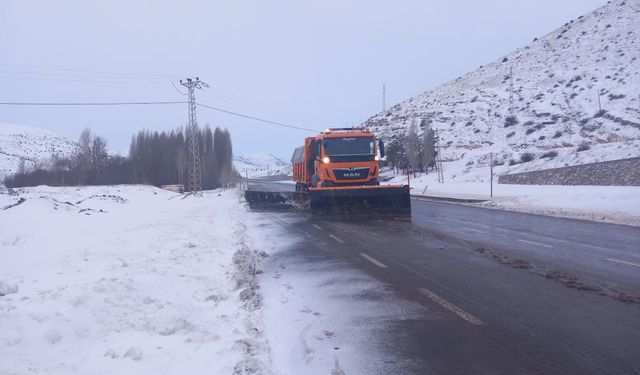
{"x": 570, "y": 97}
{"x": 261, "y": 165}
{"x": 21, "y": 143}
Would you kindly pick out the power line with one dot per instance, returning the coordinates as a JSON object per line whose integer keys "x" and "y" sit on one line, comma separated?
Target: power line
{"x": 88, "y": 103}
{"x": 88, "y": 79}
{"x": 244, "y": 102}
{"x": 254, "y": 118}
{"x": 79, "y": 71}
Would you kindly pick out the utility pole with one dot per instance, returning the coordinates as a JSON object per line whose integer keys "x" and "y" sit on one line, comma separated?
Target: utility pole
{"x": 384, "y": 97}
{"x": 599, "y": 103}
{"x": 491, "y": 174}
{"x": 439, "y": 159}
{"x": 195, "y": 171}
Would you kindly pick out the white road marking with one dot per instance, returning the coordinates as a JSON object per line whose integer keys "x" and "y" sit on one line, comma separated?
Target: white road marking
{"x": 336, "y": 238}
{"x": 435, "y": 221}
{"x": 475, "y": 230}
{"x": 462, "y": 221}
{"x": 373, "y": 260}
{"x": 317, "y": 226}
{"x": 535, "y": 243}
{"x": 476, "y": 224}
{"x": 451, "y": 307}
{"x": 623, "y": 262}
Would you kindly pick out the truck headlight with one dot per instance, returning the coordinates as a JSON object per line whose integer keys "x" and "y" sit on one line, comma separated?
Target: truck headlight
{"x": 377, "y": 157}
{"x": 326, "y": 160}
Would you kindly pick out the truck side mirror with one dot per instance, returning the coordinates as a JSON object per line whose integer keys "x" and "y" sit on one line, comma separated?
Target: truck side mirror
{"x": 381, "y": 147}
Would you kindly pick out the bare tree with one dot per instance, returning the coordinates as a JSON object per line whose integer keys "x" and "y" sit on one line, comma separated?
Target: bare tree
{"x": 412, "y": 146}
{"x": 428, "y": 147}
{"x": 99, "y": 153}
{"x": 84, "y": 148}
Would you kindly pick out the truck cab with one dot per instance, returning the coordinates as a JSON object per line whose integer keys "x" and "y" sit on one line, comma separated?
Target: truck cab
{"x": 338, "y": 157}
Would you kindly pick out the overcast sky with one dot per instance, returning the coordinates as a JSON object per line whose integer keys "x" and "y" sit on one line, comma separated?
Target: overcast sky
{"x": 313, "y": 64}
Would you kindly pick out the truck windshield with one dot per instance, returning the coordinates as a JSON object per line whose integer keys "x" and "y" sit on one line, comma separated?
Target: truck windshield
{"x": 348, "y": 146}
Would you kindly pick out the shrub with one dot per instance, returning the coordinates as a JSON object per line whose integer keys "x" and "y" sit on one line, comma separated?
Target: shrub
{"x": 583, "y": 147}
{"x": 530, "y": 130}
{"x": 616, "y": 97}
{"x": 558, "y": 134}
{"x": 550, "y": 154}
{"x": 527, "y": 157}
{"x": 511, "y": 134}
{"x": 510, "y": 121}
{"x": 512, "y": 162}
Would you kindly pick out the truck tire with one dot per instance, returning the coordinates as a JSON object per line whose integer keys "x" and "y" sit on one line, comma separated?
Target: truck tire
{"x": 314, "y": 180}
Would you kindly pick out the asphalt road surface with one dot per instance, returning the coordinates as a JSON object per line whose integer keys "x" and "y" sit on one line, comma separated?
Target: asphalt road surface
{"x": 509, "y": 293}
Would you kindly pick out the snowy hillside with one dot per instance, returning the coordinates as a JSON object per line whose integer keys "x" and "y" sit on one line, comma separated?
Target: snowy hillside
{"x": 21, "y": 142}
{"x": 541, "y": 99}
{"x": 261, "y": 165}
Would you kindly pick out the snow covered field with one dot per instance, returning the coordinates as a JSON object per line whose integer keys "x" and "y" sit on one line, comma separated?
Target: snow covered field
{"x": 128, "y": 280}
{"x": 615, "y": 204}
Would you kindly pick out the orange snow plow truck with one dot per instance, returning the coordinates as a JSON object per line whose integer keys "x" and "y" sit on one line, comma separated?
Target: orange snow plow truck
{"x": 339, "y": 170}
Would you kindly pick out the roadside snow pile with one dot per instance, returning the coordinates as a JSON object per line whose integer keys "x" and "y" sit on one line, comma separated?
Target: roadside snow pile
{"x": 6, "y": 288}
{"x": 614, "y": 204}
{"x": 261, "y": 165}
{"x": 128, "y": 280}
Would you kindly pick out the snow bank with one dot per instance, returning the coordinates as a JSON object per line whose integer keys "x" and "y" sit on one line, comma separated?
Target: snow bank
{"x": 615, "y": 204}
{"x": 129, "y": 280}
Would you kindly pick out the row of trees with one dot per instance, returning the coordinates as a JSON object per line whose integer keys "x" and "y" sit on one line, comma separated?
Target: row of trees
{"x": 413, "y": 151}
{"x": 163, "y": 158}
{"x": 155, "y": 158}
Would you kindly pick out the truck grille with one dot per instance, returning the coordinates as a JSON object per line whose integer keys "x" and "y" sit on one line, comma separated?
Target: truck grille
{"x": 351, "y": 173}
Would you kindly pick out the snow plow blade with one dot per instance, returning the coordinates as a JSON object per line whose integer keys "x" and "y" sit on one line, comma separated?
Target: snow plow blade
{"x": 276, "y": 200}
{"x": 361, "y": 202}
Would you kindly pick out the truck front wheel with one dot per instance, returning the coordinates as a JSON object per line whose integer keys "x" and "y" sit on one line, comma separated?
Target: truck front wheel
{"x": 314, "y": 180}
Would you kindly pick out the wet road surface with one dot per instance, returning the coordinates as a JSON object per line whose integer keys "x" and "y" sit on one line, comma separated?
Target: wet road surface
{"x": 507, "y": 292}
